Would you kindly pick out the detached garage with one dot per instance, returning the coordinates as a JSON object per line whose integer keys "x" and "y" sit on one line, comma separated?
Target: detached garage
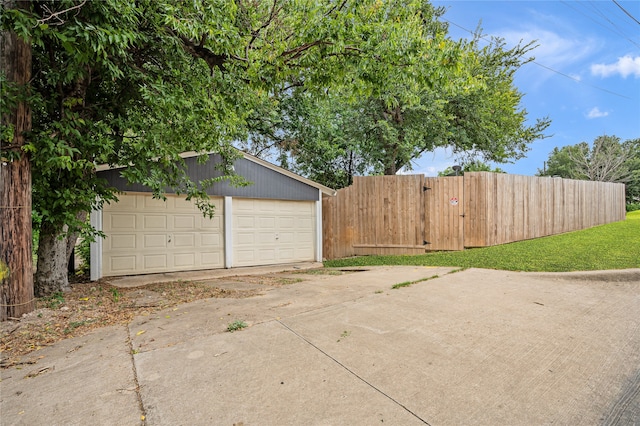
{"x": 275, "y": 220}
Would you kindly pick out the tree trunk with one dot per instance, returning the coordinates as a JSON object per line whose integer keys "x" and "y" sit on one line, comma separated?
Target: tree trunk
{"x": 16, "y": 258}
{"x": 52, "y": 274}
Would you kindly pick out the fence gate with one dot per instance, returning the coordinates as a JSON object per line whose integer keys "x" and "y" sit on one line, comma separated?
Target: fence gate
{"x": 444, "y": 213}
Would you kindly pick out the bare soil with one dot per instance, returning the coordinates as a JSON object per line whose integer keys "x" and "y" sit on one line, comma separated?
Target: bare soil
{"x": 90, "y": 305}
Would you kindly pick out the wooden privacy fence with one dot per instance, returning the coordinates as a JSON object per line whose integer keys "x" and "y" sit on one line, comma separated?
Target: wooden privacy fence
{"x": 411, "y": 214}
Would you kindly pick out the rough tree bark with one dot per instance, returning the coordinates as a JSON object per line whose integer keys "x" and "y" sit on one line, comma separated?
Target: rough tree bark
{"x": 54, "y": 252}
{"x": 16, "y": 291}
{"x": 51, "y": 275}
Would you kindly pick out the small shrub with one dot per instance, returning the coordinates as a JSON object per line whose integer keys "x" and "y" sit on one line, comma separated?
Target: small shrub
{"x": 115, "y": 295}
{"x": 54, "y": 301}
{"x": 632, "y": 207}
{"x": 236, "y": 325}
{"x": 84, "y": 252}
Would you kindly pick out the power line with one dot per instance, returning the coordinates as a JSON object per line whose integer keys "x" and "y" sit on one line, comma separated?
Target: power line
{"x": 617, "y": 30}
{"x": 625, "y": 11}
{"x": 543, "y": 66}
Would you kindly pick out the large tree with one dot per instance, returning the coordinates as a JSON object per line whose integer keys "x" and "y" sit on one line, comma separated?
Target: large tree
{"x": 16, "y": 261}
{"x": 435, "y": 93}
{"x": 607, "y": 159}
{"x": 137, "y": 83}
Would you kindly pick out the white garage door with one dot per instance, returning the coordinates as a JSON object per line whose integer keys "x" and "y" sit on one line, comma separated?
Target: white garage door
{"x": 148, "y": 236}
{"x": 267, "y": 232}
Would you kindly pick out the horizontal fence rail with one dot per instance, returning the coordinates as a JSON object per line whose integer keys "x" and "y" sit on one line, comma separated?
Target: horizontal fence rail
{"x": 411, "y": 214}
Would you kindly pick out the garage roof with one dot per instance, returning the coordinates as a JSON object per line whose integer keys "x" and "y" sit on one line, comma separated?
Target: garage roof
{"x": 268, "y": 180}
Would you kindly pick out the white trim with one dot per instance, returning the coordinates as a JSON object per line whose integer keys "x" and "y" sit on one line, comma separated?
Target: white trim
{"x": 319, "y": 227}
{"x": 228, "y": 232}
{"x": 96, "y": 246}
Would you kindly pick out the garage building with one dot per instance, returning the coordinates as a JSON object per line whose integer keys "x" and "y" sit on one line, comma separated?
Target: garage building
{"x": 275, "y": 220}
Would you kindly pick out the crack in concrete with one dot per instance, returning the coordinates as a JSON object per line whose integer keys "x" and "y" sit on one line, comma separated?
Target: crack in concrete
{"x": 143, "y": 411}
{"x": 353, "y": 373}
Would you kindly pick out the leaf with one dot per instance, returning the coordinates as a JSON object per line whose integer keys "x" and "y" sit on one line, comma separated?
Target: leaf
{"x": 140, "y": 332}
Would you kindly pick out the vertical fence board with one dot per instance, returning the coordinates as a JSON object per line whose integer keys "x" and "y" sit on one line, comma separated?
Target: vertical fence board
{"x": 393, "y": 215}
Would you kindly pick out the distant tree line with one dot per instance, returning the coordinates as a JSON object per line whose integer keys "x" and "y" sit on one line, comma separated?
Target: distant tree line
{"x": 607, "y": 159}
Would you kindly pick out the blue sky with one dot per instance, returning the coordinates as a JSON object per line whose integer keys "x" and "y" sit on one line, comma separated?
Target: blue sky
{"x": 593, "y": 87}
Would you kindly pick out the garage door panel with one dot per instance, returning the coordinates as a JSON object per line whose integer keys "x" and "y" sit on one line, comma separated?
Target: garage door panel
{"x": 121, "y": 222}
{"x": 267, "y": 255}
{"x": 244, "y": 256}
{"x": 208, "y": 240}
{"x": 267, "y": 222}
{"x": 265, "y": 238}
{"x": 287, "y": 254}
{"x": 154, "y": 222}
{"x": 126, "y": 241}
{"x": 182, "y": 260}
{"x": 286, "y": 237}
{"x": 211, "y": 259}
{"x": 184, "y": 240}
{"x": 184, "y": 222}
{"x": 154, "y": 261}
{"x": 244, "y": 222}
{"x": 125, "y": 264}
{"x": 150, "y": 204}
{"x": 304, "y": 222}
{"x": 211, "y": 224}
{"x": 304, "y": 238}
{"x": 287, "y": 222}
{"x": 181, "y": 204}
{"x": 244, "y": 238}
{"x": 154, "y": 236}
{"x": 154, "y": 241}
{"x": 125, "y": 202}
{"x": 279, "y": 232}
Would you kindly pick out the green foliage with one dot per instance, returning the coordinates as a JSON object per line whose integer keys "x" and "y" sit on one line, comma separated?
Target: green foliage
{"x": 138, "y": 83}
{"x": 84, "y": 251}
{"x": 632, "y": 207}
{"x": 612, "y": 246}
{"x": 236, "y": 325}
{"x": 344, "y": 335}
{"x": 409, "y": 283}
{"x": 75, "y": 324}
{"x": 115, "y": 294}
{"x": 54, "y": 301}
{"x": 606, "y": 159}
{"x": 470, "y": 166}
{"x": 412, "y": 90}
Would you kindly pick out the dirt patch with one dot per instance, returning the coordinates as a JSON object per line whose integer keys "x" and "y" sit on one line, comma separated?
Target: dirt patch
{"x": 98, "y": 304}
{"x": 90, "y": 305}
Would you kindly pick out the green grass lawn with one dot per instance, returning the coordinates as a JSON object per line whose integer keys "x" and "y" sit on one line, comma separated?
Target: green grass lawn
{"x": 612, "y": 246}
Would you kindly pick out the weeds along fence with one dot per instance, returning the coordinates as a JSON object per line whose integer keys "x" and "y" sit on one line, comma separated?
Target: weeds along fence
{"x": 411, "y": 214}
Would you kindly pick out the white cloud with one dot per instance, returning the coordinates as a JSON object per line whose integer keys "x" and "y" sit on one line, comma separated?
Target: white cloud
{"x": 553, "y": 49}
{"x": 596, "y": 113}
{"x": 626, "y": 65}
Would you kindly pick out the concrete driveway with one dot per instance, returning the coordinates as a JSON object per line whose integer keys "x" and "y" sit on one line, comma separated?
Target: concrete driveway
{"x": 474, "y": 347}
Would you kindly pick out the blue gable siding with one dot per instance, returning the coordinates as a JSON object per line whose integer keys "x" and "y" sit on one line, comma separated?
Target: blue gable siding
{"x": 265, "y": 183}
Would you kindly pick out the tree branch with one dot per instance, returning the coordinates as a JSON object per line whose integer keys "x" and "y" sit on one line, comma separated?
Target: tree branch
{"x": 56, "y": 15}
{"x": 214, "y": 60}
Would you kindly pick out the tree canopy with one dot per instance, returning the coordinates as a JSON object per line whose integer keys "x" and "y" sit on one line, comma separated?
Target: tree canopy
{"x": 470, "y": 166}
{"x": 340, "y": 88}
{"x": 607, "y": 159}
{"x": 138, "y": 83}
{"x": 437, "y": 93}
